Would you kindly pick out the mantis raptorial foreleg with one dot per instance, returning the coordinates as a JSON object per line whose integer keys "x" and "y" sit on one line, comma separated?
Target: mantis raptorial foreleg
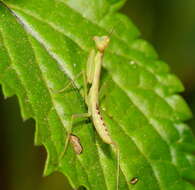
{"x": 92, "y": 77}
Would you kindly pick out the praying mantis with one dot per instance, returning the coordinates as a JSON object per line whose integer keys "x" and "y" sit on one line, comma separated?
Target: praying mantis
{"x": 92, "y": 77}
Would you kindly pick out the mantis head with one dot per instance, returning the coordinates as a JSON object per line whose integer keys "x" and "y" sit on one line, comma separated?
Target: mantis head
{"x": 101, "y": 42}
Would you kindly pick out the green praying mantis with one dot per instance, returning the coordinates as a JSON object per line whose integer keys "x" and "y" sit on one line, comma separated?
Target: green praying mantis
{"x": 92, "y": 77}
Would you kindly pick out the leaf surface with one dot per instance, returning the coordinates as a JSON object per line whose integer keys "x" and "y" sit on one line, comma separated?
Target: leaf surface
{"x": 45, "y": 44}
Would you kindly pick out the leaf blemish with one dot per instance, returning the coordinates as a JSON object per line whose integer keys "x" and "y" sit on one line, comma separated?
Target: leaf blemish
{"x": 75, "y": 141}
{"x": 134, "y": 180}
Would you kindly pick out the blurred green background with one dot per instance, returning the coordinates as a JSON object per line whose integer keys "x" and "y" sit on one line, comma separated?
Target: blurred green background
{"x": 168, "y": 24}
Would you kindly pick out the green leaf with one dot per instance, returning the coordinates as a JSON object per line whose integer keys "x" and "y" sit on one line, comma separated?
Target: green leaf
{"x": 45, "y": 44}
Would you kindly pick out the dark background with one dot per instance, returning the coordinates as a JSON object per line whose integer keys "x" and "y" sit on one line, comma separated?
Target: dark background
{"x": 167, "y": 24}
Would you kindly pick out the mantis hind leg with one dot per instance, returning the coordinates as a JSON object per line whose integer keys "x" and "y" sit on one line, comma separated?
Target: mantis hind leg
{"x": 74, "y": 116}
{"x": 69, "y": 84}
{"x": 117, "y": 165}
{"x": 118, "y": 169}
